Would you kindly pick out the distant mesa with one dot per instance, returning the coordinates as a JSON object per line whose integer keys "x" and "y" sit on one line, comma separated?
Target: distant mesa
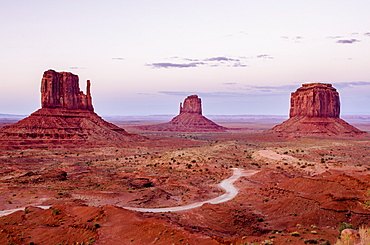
{"x": 67, "y": 116}
{"x": 190, "y": 119}
{"x": 315, "y": 110}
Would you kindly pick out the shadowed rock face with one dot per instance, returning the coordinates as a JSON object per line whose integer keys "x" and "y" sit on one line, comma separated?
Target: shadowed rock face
{"x": 315, "y": 100}
{"x": 314, "y": 111}
{"x": 67, "y": 117}
{"x": 190, "y": 119}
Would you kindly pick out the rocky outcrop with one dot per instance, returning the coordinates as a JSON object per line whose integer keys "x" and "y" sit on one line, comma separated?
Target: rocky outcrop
{"x": 314, "y": 111}
{"x": 315, "y": 100}
{"x": 61, "y": 90}
{"x": 192, "y": 104}
{"x": 190, "y": 119}
{"x": 67, "y": 117}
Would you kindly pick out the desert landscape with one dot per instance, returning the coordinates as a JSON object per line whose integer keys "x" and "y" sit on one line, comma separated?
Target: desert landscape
{"x": 70, "y": 177}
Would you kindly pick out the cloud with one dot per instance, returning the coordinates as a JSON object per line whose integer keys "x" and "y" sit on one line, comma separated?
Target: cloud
{"x": 73, "y": 67}
{"x": 348, "y": 41}
{"x": 203, "y": 94}
{"x": 367, "y": 34}
{"x": 264, "y": 56}
{"x": 334, "y": 37}
{"x": 209, "y": 62}
{"x": 242, "y": 91}
{"x": 118, "y": 58}
{"x": 221, "y": 59}
{"x": 238, "y": 64}
{"x": 351, "y": 84}
{"x": 296, "y": 39}
{"x": 175, "y": 65}
{"x": 275, "y": 89}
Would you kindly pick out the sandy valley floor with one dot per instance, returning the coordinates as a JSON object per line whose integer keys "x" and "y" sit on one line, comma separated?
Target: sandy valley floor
{"x": 302, "y": 190}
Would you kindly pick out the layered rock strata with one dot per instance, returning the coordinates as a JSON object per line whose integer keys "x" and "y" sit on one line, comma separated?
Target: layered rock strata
{"x": 315, "y": 110}
{"x": 190, "y": 119}
{"x": 67, "y": 116}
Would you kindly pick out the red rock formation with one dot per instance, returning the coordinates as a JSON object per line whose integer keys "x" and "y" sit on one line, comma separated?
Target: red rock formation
{"x": 192, "y": 104}
{"x": 67, "y": 117}
{"x": 190, "y": 119}
{"x": 314, "y": 110}
{"x": 315, "y": 100}
{"x": 61, "y": 90}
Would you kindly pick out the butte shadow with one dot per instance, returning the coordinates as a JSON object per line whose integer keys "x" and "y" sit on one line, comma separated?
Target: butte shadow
{"x": 190, "y": 119}
{"x": 314, "y": 111}
{"x": 66, "y": 119}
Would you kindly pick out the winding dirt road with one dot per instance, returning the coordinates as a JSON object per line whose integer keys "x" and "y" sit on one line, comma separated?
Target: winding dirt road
{"x": 227, "y": 185}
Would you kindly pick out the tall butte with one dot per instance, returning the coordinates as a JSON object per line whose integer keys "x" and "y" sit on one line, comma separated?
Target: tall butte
{"x": 315, "y": 110}
{"x": 190, "y": 119}
{"x": 66, "y": 118}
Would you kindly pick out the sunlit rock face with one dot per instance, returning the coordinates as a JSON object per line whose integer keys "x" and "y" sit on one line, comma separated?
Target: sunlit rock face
{"x": 315, "y": 100}
{"x": 314, "y": 111}
{"x": 61, "y": 90}
{"x": 192, "y": 104}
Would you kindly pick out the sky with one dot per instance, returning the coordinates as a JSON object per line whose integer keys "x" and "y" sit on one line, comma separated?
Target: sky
{"x": 144, "y": 57}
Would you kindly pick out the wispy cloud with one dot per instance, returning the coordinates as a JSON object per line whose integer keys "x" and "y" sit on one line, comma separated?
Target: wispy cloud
{"x": 73, "y": 67}
{"x": 118, "y": 58}
{"x": 175, "y": 65}
{"x": 177, "y": 62}
{"x": 296, "y": 39}
{"x": 264, "y": 56}
{"x": 221, "y": 59}
{"x": 242, "y": 91}
{"x": 348, "y": 41}
{"x": 352, "y": 84}
{"x": 203, "y": 94}
{"x": 334, "y": 37}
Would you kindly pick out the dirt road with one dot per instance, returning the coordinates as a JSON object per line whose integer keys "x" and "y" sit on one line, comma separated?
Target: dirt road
{"x": 228, "y": 185}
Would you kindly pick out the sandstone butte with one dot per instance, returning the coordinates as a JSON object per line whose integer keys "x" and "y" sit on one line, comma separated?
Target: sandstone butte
{"x": 67, "y": 116}
{"x": 190, "y": 119}
{"x": 315, "y": 111}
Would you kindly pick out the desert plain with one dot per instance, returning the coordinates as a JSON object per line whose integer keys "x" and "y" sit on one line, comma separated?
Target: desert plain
{"x": 303, "y": 190}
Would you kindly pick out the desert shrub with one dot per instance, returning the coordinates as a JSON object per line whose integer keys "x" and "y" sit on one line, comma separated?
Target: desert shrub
{"x": 344, "y": 225}
{"x": 311, "y": 241}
